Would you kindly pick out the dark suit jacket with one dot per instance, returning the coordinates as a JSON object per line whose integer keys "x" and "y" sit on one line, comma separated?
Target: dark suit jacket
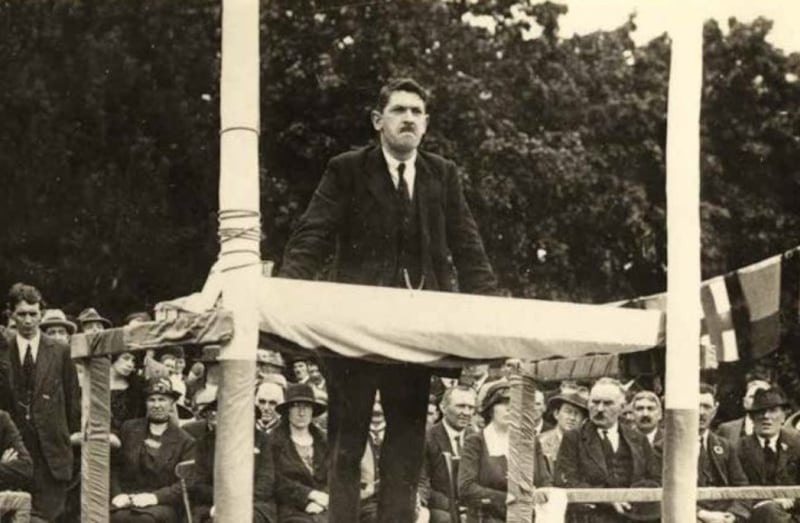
{"x": 433, "y": 488}
{"x": 725, "y": 461}
{"x": 732, "y": 430}
{"x": 128, "y": 475}
{"x": 56, "y": 404}
{"x": 201, "y": 484}
{"x": 581, "y": 464}
{"x": 16, "y": 474}
{"x": 752, "y": 458}
{"x": 294, "y": 481}
{"x": 347, "y": 216}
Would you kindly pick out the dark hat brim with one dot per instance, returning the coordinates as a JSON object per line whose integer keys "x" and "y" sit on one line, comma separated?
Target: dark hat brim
{"x": 317, "y": 406}
{"x": 556, "y": 401}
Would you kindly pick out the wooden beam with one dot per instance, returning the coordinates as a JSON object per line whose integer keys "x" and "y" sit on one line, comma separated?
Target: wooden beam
{"x": 95, "y": 451}
{"x": 521, "y": 458}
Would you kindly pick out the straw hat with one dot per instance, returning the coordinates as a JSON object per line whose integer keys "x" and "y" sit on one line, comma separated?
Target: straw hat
{"x": 91, "y": 315}
{"x": 56, "y": 318}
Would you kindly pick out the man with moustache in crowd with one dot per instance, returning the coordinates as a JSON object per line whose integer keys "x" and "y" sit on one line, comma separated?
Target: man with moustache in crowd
{"x": 392, "y": 215}
{"x": 771, "y": 456}
{"x": 144, "y": 487}
{"x": 458, "y": 408}
{"x": 604, "y": 454}
{"x": 718, "y": 466}
{"x": 46, "y": 400}
{"x": 647, "y": 416}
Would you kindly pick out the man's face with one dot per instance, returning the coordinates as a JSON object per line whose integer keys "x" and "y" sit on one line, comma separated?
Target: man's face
{"x": 27, "y": 317}
{"x": 58, "y": 332}
{"x": 768, "y": 422}
{"x": 402, "y": 123}
{"x": 707, "y": 410}
{"x": 300, "y": 370}
{"x": 569, "y": 417}
{"x": 537, "y": 409}
{"x": 605, "y": 404}
{"x": 170, "y": 364}
{"x": 93, "y": 326}
{"x": 180, "y": 364}
{"x": 752, "y": 388}
{"x": 433, "y": 415}
{"x": 510, "y": 367}
{"x": 646, "y": 415}
{"x": 268, "y": 396}
{"x": 159, "y": 408}
{"x": 459, "y": 408}
{"x": 475, "y": 372}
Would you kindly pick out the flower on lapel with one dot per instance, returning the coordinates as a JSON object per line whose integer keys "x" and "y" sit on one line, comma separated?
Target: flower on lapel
{"x": 718, "y": 450}
{"x": 256, "y": 450}
{"x": 784, "y": 446}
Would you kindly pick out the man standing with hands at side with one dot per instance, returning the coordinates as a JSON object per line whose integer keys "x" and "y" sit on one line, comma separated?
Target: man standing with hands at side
{"x": 393, "y": 215}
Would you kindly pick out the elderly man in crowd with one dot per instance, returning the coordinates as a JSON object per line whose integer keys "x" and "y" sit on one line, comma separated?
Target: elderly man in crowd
{"x": 569, "y": 409}
{"x": 771, "y": 455}
{"x": 46, "y": 401}
{"x": 718, "y": 466}
{"x": 740, "y": 427}
{"x": 647, "y": 416}
{"x": 604, "y": 454}
{"x": 269, "y": 394}
{"x": 144, "y": 487}
{"x": 448, "y": 435}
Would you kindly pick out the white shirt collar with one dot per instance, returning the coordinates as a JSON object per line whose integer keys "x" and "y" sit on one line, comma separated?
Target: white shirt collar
{"x": 772, "y": 442}
{"x": 748, "y": 425}
{"x": 409, "y": 174}
{"x": 496, "y": 443}
{"x": 651, "y": 436}
{"x": 704, "y": 438}
{"x": 22, "y": 346}
{"x": 613, "y": 435}
{"x": 453, "y": 433}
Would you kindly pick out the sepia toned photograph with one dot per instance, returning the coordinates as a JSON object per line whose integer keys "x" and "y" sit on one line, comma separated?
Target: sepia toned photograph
{"x": 399, "y": 261}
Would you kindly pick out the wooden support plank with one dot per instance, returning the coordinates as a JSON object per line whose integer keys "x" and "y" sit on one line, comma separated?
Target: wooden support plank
{"x": 521, "y": 458}
{"x": 95, "y": 452}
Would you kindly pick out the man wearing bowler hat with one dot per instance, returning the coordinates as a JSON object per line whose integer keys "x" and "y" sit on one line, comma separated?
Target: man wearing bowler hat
{"x": 393, "y": 216}
{"x": 771, "y": 455}
{"x": 144, "y": 487}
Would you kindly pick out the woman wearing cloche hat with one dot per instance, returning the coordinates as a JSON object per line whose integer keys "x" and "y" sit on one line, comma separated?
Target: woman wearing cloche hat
{"x": 300, "y": 450}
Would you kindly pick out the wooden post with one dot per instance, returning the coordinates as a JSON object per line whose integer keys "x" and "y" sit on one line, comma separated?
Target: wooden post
{"x": 239, "y": 258}
{"x": 95, "y": 451}
{"x": 521, "y": 458}
{"x": 683, "y": 262}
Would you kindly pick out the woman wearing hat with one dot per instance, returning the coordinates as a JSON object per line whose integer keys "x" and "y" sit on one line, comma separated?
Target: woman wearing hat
{"x": 300, "y": 451}
{"x": 483, "y": 472}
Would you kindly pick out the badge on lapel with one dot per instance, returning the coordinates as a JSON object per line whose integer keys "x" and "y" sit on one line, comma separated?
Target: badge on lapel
{"x": 718, "y": 450}
{"x": 784, "y": 446}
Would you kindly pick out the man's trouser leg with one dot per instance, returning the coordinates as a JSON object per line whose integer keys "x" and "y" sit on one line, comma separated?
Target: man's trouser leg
{"x": 351, "y": 394}
{"x": 404, "y": 395}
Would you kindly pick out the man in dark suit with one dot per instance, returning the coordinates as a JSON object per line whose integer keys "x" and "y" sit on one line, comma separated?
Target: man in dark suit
{"x": 717, "y": 466}
{"x": 771, "y": 456}
{"x": 735, "y": 429}
{"x": 604, "y": 454}
{"x": 144, "y": 487}
{"x": 393, "y": 216}
{"x": 458, "y": 407}
{"x": 46, "y": 401}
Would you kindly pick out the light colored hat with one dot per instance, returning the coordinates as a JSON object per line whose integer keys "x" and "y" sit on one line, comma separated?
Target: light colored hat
{"x": 90, "y": 315}
{"x": 56, "y": 317}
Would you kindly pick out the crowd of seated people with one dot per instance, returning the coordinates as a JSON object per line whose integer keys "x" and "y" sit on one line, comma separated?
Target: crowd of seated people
{"x": 601, "y": 434}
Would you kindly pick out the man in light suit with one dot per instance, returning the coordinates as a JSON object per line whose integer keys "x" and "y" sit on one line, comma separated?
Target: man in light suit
{"x": 603, "y": 453}
{"x": 46, "y": 401}
{"x": 392, "y": 216}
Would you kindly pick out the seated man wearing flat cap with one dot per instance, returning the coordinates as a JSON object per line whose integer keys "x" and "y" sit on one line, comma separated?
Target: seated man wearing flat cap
{"x": 144, "y": 487}
{"x": 771, "y": 456}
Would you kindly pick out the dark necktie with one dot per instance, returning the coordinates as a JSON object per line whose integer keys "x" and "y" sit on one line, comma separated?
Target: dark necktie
{"x": 770, "y": 463}
{"x": 608, "y": 448}
{"x": 457, "y": 445}
{"x": 402, "y": 186}
{"x": 27, "y": 368}
{"x": 705, "y": 469}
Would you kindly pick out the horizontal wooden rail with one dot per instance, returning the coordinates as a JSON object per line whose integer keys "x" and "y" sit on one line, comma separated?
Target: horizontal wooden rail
{"x": 592, "y": 495}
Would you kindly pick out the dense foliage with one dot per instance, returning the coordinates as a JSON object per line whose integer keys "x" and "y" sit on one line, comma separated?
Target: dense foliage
{"x": 109, "y": 145}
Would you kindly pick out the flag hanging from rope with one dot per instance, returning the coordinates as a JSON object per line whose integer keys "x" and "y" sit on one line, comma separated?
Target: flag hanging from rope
{"x": 747, "y": 312}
